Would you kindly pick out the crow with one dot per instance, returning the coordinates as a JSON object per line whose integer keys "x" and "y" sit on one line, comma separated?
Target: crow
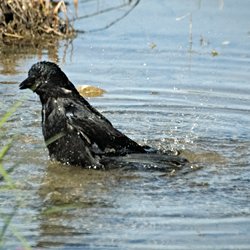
{"x": 75, "y": 133}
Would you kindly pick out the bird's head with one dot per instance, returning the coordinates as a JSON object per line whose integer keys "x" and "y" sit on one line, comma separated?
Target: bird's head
{"x": 47, "y": 79}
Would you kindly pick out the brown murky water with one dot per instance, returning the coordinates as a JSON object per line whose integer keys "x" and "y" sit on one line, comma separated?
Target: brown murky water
{"x": 176, "y": 76}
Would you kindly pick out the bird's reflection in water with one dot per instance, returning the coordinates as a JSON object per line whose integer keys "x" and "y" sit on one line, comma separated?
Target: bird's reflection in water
{"x": 70, "y": 194}
{"x": 76, "y": 201}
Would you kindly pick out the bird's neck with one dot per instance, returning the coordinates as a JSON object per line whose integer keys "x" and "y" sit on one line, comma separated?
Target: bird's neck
{"x": 54, "y": 95}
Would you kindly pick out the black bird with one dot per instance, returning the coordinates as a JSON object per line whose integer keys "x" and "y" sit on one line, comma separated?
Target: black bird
{"x": 74, "y": 132}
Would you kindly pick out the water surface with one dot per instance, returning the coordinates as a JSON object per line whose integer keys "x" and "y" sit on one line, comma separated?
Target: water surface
{"x": 177, "y": 77}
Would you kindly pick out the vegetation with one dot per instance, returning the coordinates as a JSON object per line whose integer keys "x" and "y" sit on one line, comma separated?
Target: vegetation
{"x": 34, "y": 20}
{"x": 9, "y": 184}
{"x": 31, "y": 21}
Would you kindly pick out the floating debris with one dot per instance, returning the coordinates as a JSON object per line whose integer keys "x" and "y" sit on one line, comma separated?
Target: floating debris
{"x": 152, "y": 45}
{"x": 226, "y": 42}
{"x": 214, "y": 52}
{"x": 90, "y": 91}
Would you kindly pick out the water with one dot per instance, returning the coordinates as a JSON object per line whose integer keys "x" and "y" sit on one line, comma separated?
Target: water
{"x": 177, "y": 77}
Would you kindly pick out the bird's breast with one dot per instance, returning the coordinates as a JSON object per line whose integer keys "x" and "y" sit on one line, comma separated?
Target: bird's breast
{"x": 53, "y": 118}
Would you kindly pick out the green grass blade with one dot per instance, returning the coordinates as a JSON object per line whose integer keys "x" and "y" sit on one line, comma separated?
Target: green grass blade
{"x": 3, "y": 172}
{"x": 23, "y": 241}
{"x": 6, "y": 177}
{"x": 5, "y": 149}
{"x": 7, "y": 115}
{"x": 7, "y": 221}
{"x": 9, "y": 171}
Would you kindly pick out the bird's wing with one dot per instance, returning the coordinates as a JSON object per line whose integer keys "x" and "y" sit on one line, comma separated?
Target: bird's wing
{"x": 98, "y": 131}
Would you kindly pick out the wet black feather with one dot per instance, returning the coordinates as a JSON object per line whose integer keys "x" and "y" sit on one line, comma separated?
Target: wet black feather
{"x": 74, "y": 131}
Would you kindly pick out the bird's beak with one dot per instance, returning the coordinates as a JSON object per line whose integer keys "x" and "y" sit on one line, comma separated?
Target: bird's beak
{"x": 28, "y": 83}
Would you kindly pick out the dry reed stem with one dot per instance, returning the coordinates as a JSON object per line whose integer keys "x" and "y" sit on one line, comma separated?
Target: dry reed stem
{"x": 34, "y": 20}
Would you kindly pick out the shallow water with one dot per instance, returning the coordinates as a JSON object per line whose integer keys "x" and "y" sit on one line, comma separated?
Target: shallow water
{"x": 177, "y": 77}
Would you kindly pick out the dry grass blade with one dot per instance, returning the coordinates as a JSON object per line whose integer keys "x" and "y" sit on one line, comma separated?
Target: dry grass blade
{"x": 33, "y": 20}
